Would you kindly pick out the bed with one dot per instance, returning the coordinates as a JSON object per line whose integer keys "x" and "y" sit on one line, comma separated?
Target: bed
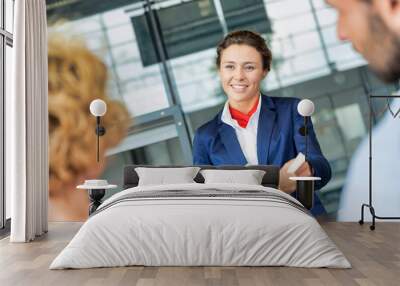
{"x": 201, "y": 224}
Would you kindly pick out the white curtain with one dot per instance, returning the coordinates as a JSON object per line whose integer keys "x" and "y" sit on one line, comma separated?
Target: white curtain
{"x": 27, "y": 123}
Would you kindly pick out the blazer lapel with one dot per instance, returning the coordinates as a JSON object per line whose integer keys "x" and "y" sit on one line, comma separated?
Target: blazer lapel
{"x": 266, "y": 123}
{"x": 231, "y": 143}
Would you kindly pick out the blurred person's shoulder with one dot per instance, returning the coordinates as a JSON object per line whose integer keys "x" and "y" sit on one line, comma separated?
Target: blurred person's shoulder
{"x": 385, "y": 154}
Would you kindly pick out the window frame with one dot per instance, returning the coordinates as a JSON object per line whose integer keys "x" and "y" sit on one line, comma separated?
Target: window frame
{"x": 6, "y": 39}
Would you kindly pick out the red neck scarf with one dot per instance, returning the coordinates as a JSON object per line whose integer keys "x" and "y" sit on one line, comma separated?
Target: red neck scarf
{"x": 242, "y": 118}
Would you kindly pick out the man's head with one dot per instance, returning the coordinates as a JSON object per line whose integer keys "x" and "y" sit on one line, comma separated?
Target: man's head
{"x": 373, "y": 27}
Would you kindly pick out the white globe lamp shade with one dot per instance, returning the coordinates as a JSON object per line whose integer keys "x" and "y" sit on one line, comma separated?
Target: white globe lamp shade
{"x": 98, "y": 107}
{"x": 305, "y": 107}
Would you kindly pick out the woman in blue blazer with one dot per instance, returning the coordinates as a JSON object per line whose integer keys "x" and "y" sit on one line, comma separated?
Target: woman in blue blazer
{"x": 254, "y": 128}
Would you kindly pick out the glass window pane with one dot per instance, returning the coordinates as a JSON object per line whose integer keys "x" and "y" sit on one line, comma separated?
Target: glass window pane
{"x": 319, "y": 4}
{"x": 291, "y": 26}
{"x": 9, "y": 15}
{"x": 111, "y": 36}
{"x": 352, "y": 124}
{"x": 198, "y": 84}
{"x": 299, "y": 43}
{"x": 327, "y": 16}
{"x": 1, "y": 14}
{"x": 121, "y": 34}
{"x": 95, "y": 40}
{"x": 344, "y": 56}
{"x": 327, "y": 130}
{"x": 88, "y": 25}
{"x": 351, "y": 111}
{"x": 272, "y": 81}
{"x": 77, "y": 27}
{"x": 329, "y": 35}
{"x": 287, "y": 8}
{"x": 126, "y": 53}
{"x": 115, "y": 18}
{"x": 8, "y": 70}
{"x": 302, "y": 67}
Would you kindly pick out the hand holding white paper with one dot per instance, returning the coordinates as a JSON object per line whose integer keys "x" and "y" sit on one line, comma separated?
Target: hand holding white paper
{"x": 300, "y": 159}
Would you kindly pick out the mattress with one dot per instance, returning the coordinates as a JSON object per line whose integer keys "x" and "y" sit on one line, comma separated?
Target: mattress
{"x": 201, "y": 225}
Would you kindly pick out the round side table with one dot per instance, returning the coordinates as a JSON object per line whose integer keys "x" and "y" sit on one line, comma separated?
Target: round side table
{"x": 96, "y": 194}
{"x": 305, "y": 190}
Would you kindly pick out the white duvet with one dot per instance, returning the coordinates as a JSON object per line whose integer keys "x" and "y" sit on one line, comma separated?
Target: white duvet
{"x": 183, "y": 231}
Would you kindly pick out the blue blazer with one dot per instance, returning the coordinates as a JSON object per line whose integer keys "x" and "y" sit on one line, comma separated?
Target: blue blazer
{"x": 278, "y": 141}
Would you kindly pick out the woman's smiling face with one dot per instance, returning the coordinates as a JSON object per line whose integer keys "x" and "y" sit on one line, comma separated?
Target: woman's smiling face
{"x": 241, "y": 71}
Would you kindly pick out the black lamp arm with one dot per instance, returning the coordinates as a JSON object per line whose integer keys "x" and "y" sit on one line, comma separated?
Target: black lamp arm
{"x": 303, "y": 130}
{"x": 100, "y": 131}
{"x": 306, "y": 136}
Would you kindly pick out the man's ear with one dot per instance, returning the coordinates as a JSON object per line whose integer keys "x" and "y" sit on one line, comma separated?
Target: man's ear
{"x": 389, "y": 10}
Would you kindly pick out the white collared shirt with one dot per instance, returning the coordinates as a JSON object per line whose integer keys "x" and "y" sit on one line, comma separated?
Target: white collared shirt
{"x": 386, "y": 172}
{"x": 247, "y": 137}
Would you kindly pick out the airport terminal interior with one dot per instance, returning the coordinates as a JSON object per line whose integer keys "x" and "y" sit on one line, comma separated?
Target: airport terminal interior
{"x": 162, "y": 67}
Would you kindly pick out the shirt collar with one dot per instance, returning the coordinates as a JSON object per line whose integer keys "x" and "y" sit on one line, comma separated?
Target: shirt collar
{"x": 226, "y": 116}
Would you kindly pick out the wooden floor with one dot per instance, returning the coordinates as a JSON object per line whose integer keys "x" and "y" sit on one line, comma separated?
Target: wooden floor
{"x": 374, "y": 255}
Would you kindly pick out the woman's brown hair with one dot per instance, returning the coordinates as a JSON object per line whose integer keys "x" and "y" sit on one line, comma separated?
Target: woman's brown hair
{"x": 76, "y": 77}
{"x": 249, "y": 38}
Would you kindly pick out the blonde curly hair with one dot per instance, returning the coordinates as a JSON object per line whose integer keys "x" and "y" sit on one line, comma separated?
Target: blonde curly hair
{"x": 76, "y": 77}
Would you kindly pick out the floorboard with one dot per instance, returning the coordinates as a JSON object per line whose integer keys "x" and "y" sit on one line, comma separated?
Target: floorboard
{"x": 374, "y": 255}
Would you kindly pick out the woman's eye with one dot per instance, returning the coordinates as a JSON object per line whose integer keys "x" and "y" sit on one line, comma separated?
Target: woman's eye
{"x": 229, "y": 67}
{"x": 249, "y": 68}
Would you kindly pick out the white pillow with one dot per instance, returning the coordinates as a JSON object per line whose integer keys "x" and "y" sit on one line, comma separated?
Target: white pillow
{"x": 165, "y": 176}
{"x": 248, "y": 177}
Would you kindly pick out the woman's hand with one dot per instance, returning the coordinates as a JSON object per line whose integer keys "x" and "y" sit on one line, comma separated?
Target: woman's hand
{"x": 287, "y": 185}
{"x": 304, "y": 170}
